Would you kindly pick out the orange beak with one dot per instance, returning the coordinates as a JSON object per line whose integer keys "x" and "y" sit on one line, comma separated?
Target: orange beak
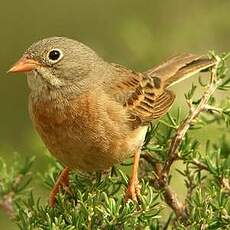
{"x": 24, "y": 64}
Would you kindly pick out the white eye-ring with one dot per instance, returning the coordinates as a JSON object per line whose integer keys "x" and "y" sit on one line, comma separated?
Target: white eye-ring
{"x": 55, "y": 55}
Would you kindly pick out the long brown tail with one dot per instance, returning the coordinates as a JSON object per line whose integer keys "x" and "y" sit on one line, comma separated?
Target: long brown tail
{"x": 179, "y": 68}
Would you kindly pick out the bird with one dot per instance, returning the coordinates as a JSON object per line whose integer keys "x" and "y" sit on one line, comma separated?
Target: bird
{"x": 92, "y": 114}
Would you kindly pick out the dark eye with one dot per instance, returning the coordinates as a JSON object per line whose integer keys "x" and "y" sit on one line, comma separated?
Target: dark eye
{"x": 55, "y": 55}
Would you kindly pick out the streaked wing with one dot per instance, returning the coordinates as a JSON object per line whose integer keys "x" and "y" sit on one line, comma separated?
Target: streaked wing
{"x": 142, "y": 96}
{"x": 145, "y": 95}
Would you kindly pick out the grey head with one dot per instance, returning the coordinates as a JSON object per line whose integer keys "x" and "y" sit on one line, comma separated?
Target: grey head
{"x": 56, "y": 62}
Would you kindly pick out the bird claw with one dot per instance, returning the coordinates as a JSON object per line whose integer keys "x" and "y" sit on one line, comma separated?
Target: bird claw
{"x": 133, "y": 191}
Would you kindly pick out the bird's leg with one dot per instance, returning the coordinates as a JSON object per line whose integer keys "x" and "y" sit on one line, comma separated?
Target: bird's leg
{"x": 62, "y": 181}
{"x": 133, "y": 190}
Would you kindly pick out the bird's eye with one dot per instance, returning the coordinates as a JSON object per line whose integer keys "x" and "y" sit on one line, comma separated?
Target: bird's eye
{"x": 55, "y": 55}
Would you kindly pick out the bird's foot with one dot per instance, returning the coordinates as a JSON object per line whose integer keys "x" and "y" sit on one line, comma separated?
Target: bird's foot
{"x": 133, "y": 190}
{"x": 62, "y": 182}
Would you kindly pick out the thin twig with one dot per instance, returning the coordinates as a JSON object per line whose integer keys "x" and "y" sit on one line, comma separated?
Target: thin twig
{"x": 170, "y": 196}
{"x": 199, "y": 164}
{"x": 161, "y": 181}
{"x": 185, "y": 125}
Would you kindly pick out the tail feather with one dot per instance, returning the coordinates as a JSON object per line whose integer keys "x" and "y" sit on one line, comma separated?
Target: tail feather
{"x": 179, "y": 68}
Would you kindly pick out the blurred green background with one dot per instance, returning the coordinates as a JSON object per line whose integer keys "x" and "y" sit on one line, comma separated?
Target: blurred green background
{"x": 134, "y": 33}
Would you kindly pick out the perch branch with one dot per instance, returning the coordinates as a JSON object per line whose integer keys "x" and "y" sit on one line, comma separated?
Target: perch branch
{"x": 170, "y": 196}
{"x": 162, "y": 170}
{"x": 185, "y": 125}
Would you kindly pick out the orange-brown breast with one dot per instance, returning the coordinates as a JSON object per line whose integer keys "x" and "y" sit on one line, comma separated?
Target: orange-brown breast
{"x": 84, "y": 133}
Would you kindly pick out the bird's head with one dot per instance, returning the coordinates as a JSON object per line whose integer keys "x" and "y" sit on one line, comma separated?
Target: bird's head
{"x": 56, "y": 61}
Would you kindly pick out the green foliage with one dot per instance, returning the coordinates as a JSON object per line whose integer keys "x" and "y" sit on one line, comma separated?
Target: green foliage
{"x": 97, "y": 201}
{"x": 92, "y": 203}
{"x": 14, "y": 181}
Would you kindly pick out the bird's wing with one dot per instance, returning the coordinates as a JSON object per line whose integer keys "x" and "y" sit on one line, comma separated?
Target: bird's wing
{"x": 145, "y": 95}
{"x": 141, "y": 95}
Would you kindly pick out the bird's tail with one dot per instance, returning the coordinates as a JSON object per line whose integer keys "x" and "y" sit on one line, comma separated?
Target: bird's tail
{"x": 180, "y": 67}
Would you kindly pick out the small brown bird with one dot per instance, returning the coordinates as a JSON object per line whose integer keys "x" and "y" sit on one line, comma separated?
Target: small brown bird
{"x": 92, "y": 114}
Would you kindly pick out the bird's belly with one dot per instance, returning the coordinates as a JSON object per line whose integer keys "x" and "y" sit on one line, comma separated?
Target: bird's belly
{"x": 80, "y": 139}
{"x": 90, "y": 156}
{"x": 91, "y": 153}
{"x": 78, "y": 155}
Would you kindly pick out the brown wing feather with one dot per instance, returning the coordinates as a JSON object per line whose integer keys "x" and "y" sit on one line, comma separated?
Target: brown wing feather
{"x": 163, "y": 103}
{"x": 139, "y": 94}
{"x": 145, "y": 95}
{"x": 180, "y": 67}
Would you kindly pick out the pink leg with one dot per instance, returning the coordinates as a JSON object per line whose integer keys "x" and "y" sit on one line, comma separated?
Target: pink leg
{"x": 133, "y": 190}
{"x": 62, "y": 181}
